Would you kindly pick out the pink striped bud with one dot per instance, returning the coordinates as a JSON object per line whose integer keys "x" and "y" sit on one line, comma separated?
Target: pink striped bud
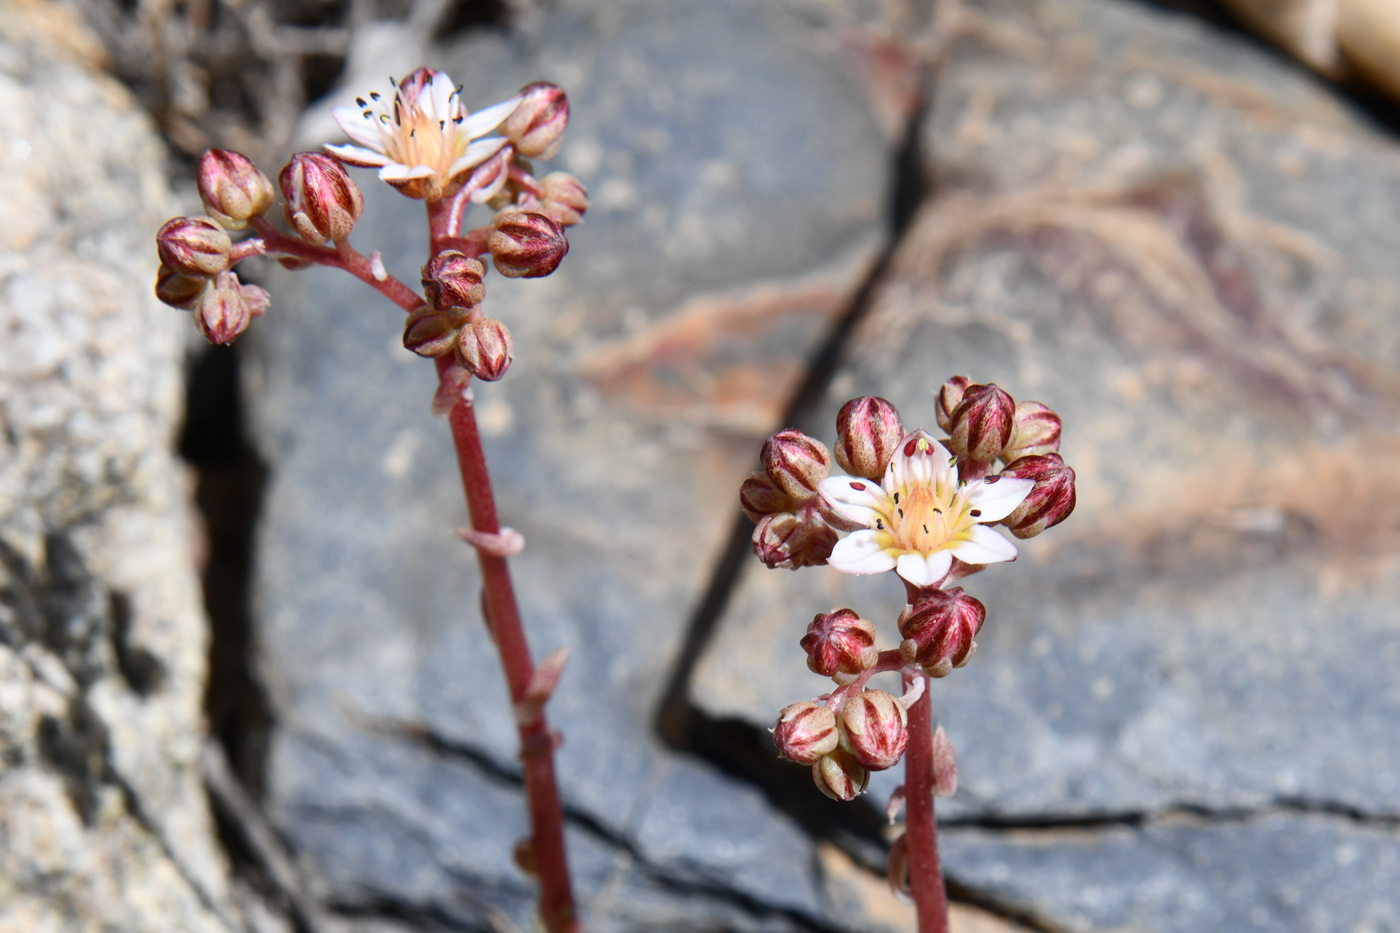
{"x": 431, "y": 332}
{"x": 193, "y": 245}
{"x": 868, "y": 431}
{"x": 874, "y": 728}
{"x": 526, "y": 245}
{"x": 982, "y": 423}
{"x": 454, "y": 279}
{"x": 223, "y": 313}
{"x": 1051, "y": 499}
{"x": 759, "y": 497}
{"x": 943, "y": 623}
{"x": 1037, "y": 432}
{"x": 322, "y": 202}
{"x": 179, "y": 290}
{"x": 949, "y": 397}
{"x": 805, "y": 732}
{"x": 840, "y": 641}
{"x": 232, "y": 188}
{"x": 485, "y": 348}
{"x": 536, "y": 126}
{"x": 789, "y": 541}
{"x": 795, "y": 462}
{"x": 840, "y": 776}
{"x": 564, "y": 198}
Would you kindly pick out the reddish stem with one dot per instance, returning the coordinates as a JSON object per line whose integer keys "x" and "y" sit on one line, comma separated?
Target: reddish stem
{"x": 537, "y": 741}
{"x": 925, "y": 873}
{"x": 342, "y": 256}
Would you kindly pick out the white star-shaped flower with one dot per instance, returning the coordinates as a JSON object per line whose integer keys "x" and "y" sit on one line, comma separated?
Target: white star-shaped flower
{"x": 422, "y": 140}
{"x": 921, "y": 516}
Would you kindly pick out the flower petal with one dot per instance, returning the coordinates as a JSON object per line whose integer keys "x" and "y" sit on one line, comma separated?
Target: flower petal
{"x": 354, "y": 155}
{"x": 860, "y": 553}
{"x": 924, "y": 569}
{"x": 999, "y": 499}
{"x": 475, "y": 154}
{"x": 487, "y": 119}
{"x": 984, "y": 547}
{"x": 854, "y": 499}
{"x": 363, "y": 130}
{"x": 398, "y": 172}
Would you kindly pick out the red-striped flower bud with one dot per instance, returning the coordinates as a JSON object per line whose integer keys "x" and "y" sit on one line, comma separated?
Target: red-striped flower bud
{"x": 322, "y": 202}
{"x": 223, "y": 312}
{"x": 179, "y": 290}
{"x": 805, "y": 732}
{"x": 787, "y": 541}
{"x": 868, "y": 431}
{"x": 840, "y": 641}
{"x": 874, "y": 728}
{"x": 526, "y": 245}
{"x": 840, "y": 776}
{"x": 430, "y": 331}
{"x": 943, "y": 623}
{"x": 232, "y": 188}
{"x": 564, "y": 198}
{"x": 949, "y": 397}
{"x": 485, "y": 348}
{"x": 1051, "y": 499}
{"x": 982, "y": 423}
{"x": 193, "y": 245}
{"x": 795, "y": 462}
{"x": 536, "y": 126}
{"x": 1037, "y": 432}
{"x": 759, "y": 497}
{"x": 454, "y": 279}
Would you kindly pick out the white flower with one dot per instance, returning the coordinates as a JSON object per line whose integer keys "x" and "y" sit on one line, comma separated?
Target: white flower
{"x": 921, "y": 516}
{"x": 423, "y": 139}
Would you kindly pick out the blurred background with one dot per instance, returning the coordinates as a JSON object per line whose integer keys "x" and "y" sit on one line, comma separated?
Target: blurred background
{"x": 243, "y": 682}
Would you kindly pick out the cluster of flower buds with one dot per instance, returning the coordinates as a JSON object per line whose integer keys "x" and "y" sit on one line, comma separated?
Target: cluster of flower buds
{"x": 918, "y": 506}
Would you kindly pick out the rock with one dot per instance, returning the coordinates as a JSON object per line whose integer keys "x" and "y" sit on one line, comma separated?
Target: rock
{"x": 706, "y": 274}
{"x": 1184, "y": 248}
{"x": 103, "y": 819}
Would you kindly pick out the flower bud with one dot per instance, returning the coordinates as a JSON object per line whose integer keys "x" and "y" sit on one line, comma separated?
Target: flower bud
{"x": 982, "y": 423}
{"x": 943, "y": 623}
{"x": 430, "y": 332}
{"x": 454, "y": 279}
{"x": 795, "y": 462}
{"x": 805, "y": 732}
{"x": 178, "y": 289}
{"x": 193, "y": 245}
{"x": 223, "y": 313}
{"x": 1051, "y": 499}
{"x": 232, "y": 188}
{"x": 840, "y": 776}
{"x": 874, "y": 728}
{"x": 759, "y": 497}
{"x": 868, "y": 431}
{"x": 564, "y": 198}
{"x": 257, "y": 299}
{"x": 526, "y": 245}
{"x": 840, "y": 641}
{"x": 322, "y": 202}
{"x": 949, "y": 398}
{"x": 788, "y": 541}
{"x": 485, "y": 348}
{"x": 536, "y": 126}
{"x": 1037, "y": 432}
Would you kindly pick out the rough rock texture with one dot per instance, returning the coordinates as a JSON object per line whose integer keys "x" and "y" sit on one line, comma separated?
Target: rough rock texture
{"x": 103, "y": 820}
{"x": 617, "y": 439}
{"x": 1186, "y": 249}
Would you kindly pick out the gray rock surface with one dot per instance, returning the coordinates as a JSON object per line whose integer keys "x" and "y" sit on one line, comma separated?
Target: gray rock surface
{"x": 103, "y": 819}
{"x": 618, "y": 438}
{"x": 1185, "y": 248}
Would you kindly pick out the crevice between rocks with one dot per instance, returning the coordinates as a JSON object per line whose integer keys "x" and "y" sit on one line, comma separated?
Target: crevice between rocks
{"x": 1141, "y": 819}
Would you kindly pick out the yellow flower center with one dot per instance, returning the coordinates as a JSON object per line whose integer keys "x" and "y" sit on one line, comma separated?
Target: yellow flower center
{"x": 926, "y": 519}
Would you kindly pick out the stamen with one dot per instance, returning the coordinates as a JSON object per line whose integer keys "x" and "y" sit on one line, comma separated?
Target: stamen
{"x": 896, "y": 498}
{"x": 879, "y": 524}
{"x": 976, "y": 513}
{"x": 925, "y": 529}
{"x": 901, "y": 512}
{"x": 991, "y": 479}
{"x": 442, "y": 124}
{"x": 361, "y": 102}
{"x": 374, "y": 95}
{"x": 858, "y": 487}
